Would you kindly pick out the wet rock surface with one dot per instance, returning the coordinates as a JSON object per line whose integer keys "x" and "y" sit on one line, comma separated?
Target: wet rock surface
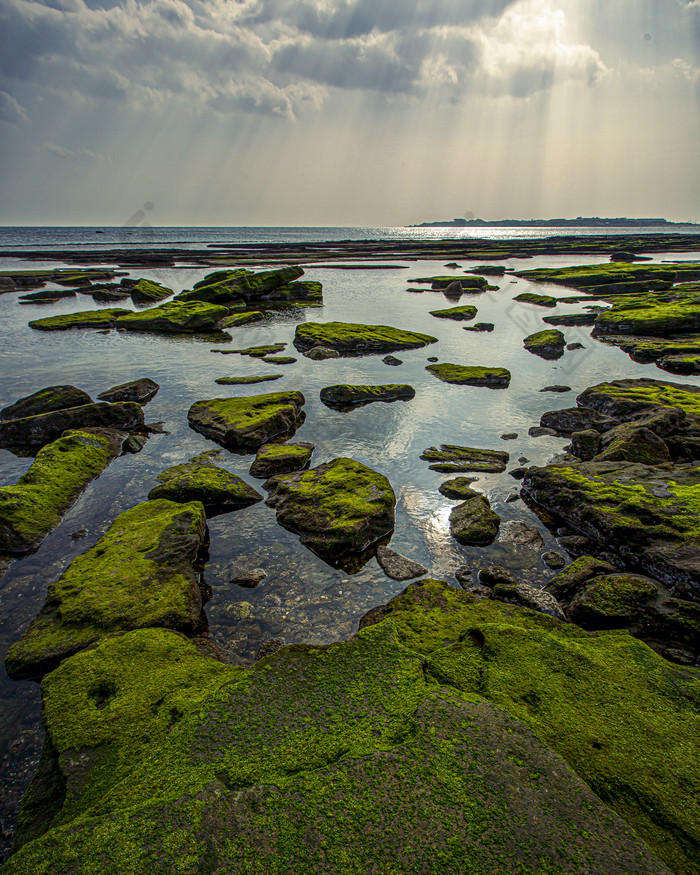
{"x": 343, "y": 396}
{"x": 398, "y": 567}
{"x": 45, "y": 401}
{"x": 357, "y": 339}
{"x": 451, "y": 458}
{"x": 471, "y": 375}
{"x": 142, "y": 391}
{"x": 274, "y": 459}
{"x": 473, "y": 522}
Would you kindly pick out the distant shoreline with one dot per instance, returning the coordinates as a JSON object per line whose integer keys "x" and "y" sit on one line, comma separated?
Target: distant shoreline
{"x": 580, "y": 222}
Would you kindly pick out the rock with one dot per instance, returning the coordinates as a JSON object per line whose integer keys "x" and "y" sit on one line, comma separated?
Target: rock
{"x": 629, "y": 444}
{"x": 571, "y": 319}
{"x": 528, "y": 596}
{"x": 353, "y": 339}
{"x": 250, "y": 579}
{"x": 487, "y": 269}
{"x": 222, "y": 287}
{"x": 79, "y": 534}
{"x": 338, "y": 509}
{"x": 458, "y": 487}
{"x": 148, "y": 292}
{"x": 246, "y": 381}
{"x": 34, "y": 505}
{"x": 521, "y": 536}
{"x": 612, "y": 601}
{"x": 474, "y": 523}
{"x": 539, "y": 300}
{"x": 492, "y": 575}
{"x": 174, "y": 317}
{"x": 245, "y": 424}
{"x": 261, "y": 352}
{"x": 281, "y": 459}
{"x": 453, "y": 290}
{"x": 569, "y": 581}
{"x": 142, "y": 391}
{"x": 442, "y": 283}
{"x": 200, "y": 479}
{"x": 479, "y": 326}
{"x": 139, "y": 574}
{"x": 575, "y": 545}
{"x": 556, "y": 389}
{"x": 457, "y": 313}
{"x": 343, "y": 396}
{"x": 319, "y": 353}
{"x": 48, "y": 296}
{"x": 267, "y": 648}
{"x": 30, "y": 433}
{"x": 134, "y": 443}
{"x": 472, "y": 375}
{"x": 553, "y": 560}
{"x": 392, "y": 361}
{"x": 518, "y": 473}
{"x": 451, "y": 459}
{"x": 547, "y": 344}
{"x": 398, "y": 567}
{"x": 236, "y": 319}
{"x": 572, "y": 346}
{"x": 572, "y": 419}
{"x": 514, "y": 496}
{"x": 330, "y": 718}
{"x": 45, "y": 401}
{"x": 82, "y": 319}
{"x": 279, "y": 359}
{"x": 657, "y": 314}
{"x": 432, "y": 358}
{"x": 640, "y": 399}
{"x": 540, "y": 431}
{"x": 510, "y": 436}
{"x": 585, "y": 444}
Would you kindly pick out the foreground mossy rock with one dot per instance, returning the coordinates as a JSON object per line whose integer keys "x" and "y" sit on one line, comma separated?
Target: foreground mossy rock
{"x": 30, "y": 433}
{"x": 460, "y": 314}
{"x": 142, "y": 391}
{"x": 36, "y": 502}
{"x": 281, "y": 459}
{"x": 452, "y": 459}
{"x": 351, "y": 338}
{"x": 538, "y": 300}
{"x": 175, "y": 317}
{"x": 338, "y": 509}
{"x": 547, "y": 344}
{"x": 157, "y": 758}
{"x": 471, "y": 375}
{"x": 140, "y": 573}
{"x": 46, "y": 400}
{"x": 474, "y": 523}
{"x": 662, "y": 314}
{"x": 200, "y": 479}
{"x": 245, "y": 424}
{"x": 83, "y": 319}
{"x": 648, "y": 515}
{"x": 148, "y": 292}
{"x": 343, "y": 396}
{"x": 458, "y": 488}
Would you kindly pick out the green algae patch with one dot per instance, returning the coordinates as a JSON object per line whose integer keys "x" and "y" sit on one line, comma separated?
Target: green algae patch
{"x": 245, "y": 424}
{"x": 458, "y": 488}
{"x": 343, "y": 396}
{"x": 471, "y": 375}
{"x": 461, "y": 314}
{"x": 339, "y": 509}
{"x": 148, "y": 292}
{"x": 175, "y": 317}
{"x": 350, "y": 338}
{"x": 83, "y": 319}
{"x": 547, "y": 344}
{"x": 247, "y": 381}
{"x": 612, "y": 600}
{"x": 538, "y": 300}
{"x": 35, "y": 504}
{"x": 278, "y": 359}
{"x": 237, "y": 319}
{"x": 659, "y": 314}
{"x": 615, "y": 276}
{"x": 139, "y": 573}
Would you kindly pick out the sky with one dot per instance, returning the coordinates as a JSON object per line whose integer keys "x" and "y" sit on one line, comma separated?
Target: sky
{"x": 347, "y": 112}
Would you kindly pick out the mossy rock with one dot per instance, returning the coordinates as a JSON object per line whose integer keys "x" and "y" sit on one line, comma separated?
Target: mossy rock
{"x": 680, "y": 364}
{"x": 442, "y": 282}
{"x": 343, "y": 396}
{"x": 339, "y": 509}
{"x": 219, "y": 276}
{"x": 451, "y": 458}
{"x": 200, "y": 479}
{"x": 237, "y": 319}
{"x": 612, "y": 601}
{"x": 252, "y": 288}
{"x": 474, "y": 523}
{"x": 628, "y": 443}
{"x": 245, "y": 424}
{"x": 585, "y": 444}
{"x": 279, "y": 359}
{"x": 140, "y": 573}
{"x": 83, "y": 319}
{"x": 641, "y": 398}
{"x": 261, "y": 352}
{"x": 36, "y": 502}
{"x": 275, "y": 459}
{"x": 471, "y": 375}
{"x": 46, "y": 400}
{"x": 547, "y": 344}
{"x": 142, "y": 391}
{"x": 538, "y": 300}
{"x": 461, "y": 314}
{"x": 571, "y": 319}
{"x": 657, "y": 314}
{"x": 158, "y": 750}
{"x": 349, "y": 338}
{"x": 458, "y": 488}
{"x": 175, "y": 317}
{"x": 572, "y": 578}
{"x": 148, "y": 292}
{"x": 246, "y": 381}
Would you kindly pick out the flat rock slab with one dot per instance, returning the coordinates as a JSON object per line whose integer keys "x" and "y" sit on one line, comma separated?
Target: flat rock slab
{"x": 463, "y": 313}
{"x": 571, "y": 319}
{"x": 237, "y": 319}
{"x": 139, "y": 574}
{"x": 253, "y": 288}
{"x": 343, "y": 396}
{"x": 474, "y": 523}
{"x": 398, "y": 567}
{"x": 281, "y": 459}
{"x": 528, "y": 596}
{"x": 538, "y": 300}
{"x": 46, "y": 400}
{"x": 247, "y": 381}
{"x": 200, "y": 479}
{"x": 245, "y": 424}
{"x": 471, "y": 375}
{"x": 82, "y": 319}
{"x": 547, "y": 344}
{"x": 175, "y": 317}
{"x": 458, "y": 488}
{"x": 142, "y": 391}
{"x": 338, "y": 509}
{"x": 35, "y": 504}
{"x": 30, "y": 433}
{"x": 352, "y": 339}
{"x": 451, "y": 458}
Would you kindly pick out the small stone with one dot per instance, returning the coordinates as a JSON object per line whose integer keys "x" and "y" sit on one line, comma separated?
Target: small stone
{"x": 515, "y": 496}
{"x": 318, "y": 353}
{"x": 553, "y": 560}
{"x": 398, "y": 567}
{"x": 480, "y": 326}
{"x": 575, "y": 544}
{"x": 556, "y": 389}
{"x": 79, "y": 534}
{"x": 540, "y": 431}
{"x": 575, "y": 346}
{"x": 458, "y": 488}
{"x": 249, "y": 579}
{"x": 142, "y": 391}
{"x": 510, "y": 436}
{"x": 521, "y": 536}
{"x": 492, "y": 575}
{"x": 267, "y": 648}
{"x": 134, "y": 443}
{"x": 432, "y": 358}
{"x": 518, "y": 473}
{"x": 392, "y": 360}
{"x": 523, "y": 460}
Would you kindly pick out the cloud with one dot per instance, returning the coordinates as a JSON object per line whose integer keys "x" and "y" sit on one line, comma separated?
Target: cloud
{"x": 73, "y": 154}
{"x": 11, "y": 111}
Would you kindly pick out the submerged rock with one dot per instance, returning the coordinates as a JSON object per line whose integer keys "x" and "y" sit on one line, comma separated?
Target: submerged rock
{"x": 46, "y": 400}
{"x": 474, "y": 523}
{"x": 281, "y": 459}
{"x": 139, "y": 574}
{"x": 338, "y": 509}
{"x": 539, "y": 300}
{"x": 82, "y": 319}
{"x": 244, "y": 424}
{"x": 343, "y": 396}
{"x": 451, "y": 459}
{"x": 352, "y": 339}
{"x": 148, "y": 292}
{"x": 174, "y": 317}
{"x": 458, "y": 488}
{"x": 479, "y": 326}
{"x": 547, "y": 344}
{"x": 471, "y": 375}
{"x": 142, "y": 391}
{"x": 463, "y": 313}
{"x": 245, "y": 381}
{"x": 571, "y": 319}
{"x": 398, "y": 567}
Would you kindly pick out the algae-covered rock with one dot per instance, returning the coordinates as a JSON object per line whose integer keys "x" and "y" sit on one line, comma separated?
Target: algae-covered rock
{"x": 658, "y": 314}
{"x": 440, "y": 283}
{"x": 36, "y": 502}
{"x": 569, "y": 581}
{"x": 148, "y": 292}
{"x": 253, "y": 288}
{"x": 352, "y": 757}
{"x": 174, "y": 317}
{"x": 585, "y": 444}
{"x": 636, "y": 399}
{"x": 281, "y": 459}
{"x": 261, "y": 352}
{"x": 528, "y": 596}
{"x": 246, "y": 381}
{"x": 343, "y": 396}
{"x": 479, "y": 327}
{"x": 140, "y": 573}
{"x": 142, "y": 391}
{"x": 547, "y": 344}
{"x": 460, "y": 314}
{"x": 30, "y": 433}
{"x": 278, "y": 359}
{"x": 236, "y": 319}
{"x": 200, "y": 479}
{"x": 458, "y": 488}
{"x": 577, "y": 419}
{"x": 571, "y": 319}
{"x": 471, "y": 375}
{"x": 83, "y": 319}
{"x": 320, "y": 353}
{"x": 46, "y": 400}
{"x": 350, "y": 338}
{"x": 338, "y": 509}
{"x": 538, "y": 300}
{"x": 451, "y": 459}
{"x": 633, "y": 444}
{"x": 474, "y": 523}
{"x": 244, "y": 424}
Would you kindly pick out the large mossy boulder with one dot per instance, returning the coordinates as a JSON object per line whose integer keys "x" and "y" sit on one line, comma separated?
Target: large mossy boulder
{"x": 27, "y": 435}
{"x": 83, "y": 319}
{"x": 639, "y": 399}
{"x": 175, "y": 317}
{"x": 275, "y": 459}
{"x": 660, "y": 314}
{"x": 34, "y": 505}
{"x": 449, "y": 735}
{"x": 46, "y": 400}
{"x": 245, "y": 424}
{"x": 343, "y": 396}
{"x": 547, "y": 344}
{"x": 149, "y": 292}
{"x": 352, "y": 339}
{"x": 253, "y": 288}
{"x": 474, "y": 523}
{"x": 339, "y": 509}
{"x": 471, "y": 375}
{"x": 140, "y": 573}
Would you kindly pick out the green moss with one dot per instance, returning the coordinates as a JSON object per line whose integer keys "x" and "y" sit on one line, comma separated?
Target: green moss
{"x": 175, "y": 316}
{"x": 147, "y": 291}
{"x": 84, "y": 319}
{"x": 60, "y": 472}
{"x": 539, "y": 300}
{"x": 655, "y": 314}
{"x": 200, "y": 479}
{"x": 261, "y": 351}
{"x": 245, "y": 381}
{"x": 279, "y": 359}
{"x": 458, "y": 488}
{"x": 615, "y": 597}
{"x": 242, "y": 319}
{"x": 474, "y": 523}
{"x": 344, "y": 395}
{"x": 568, "y": 581}
{"x": 462, "y": 313}
{"x": 451, "y": 458}
{"x": 275, "y": 459}
{"x": 356, "y": 339}
{"x": 546, "y": 344}
{"x": 219, "y": 276}
{"x": 626, "y": 398}
{"x": 471, "y": 375}
{"x": 631, "y": 277}
{"x": 246, "y": 423}
{"x": 46, "y": 400}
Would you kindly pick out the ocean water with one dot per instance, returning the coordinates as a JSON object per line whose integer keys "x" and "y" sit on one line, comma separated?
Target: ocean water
{"x": 303, "y": 599}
